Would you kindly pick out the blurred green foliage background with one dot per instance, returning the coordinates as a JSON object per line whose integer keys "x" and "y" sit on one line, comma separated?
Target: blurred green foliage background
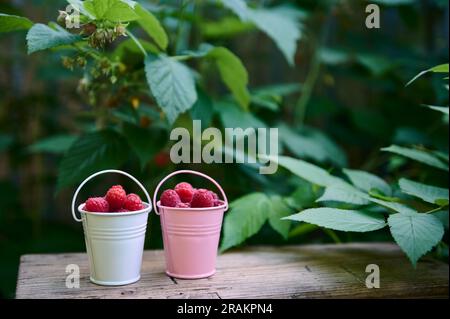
{"x": 344, "y": 99}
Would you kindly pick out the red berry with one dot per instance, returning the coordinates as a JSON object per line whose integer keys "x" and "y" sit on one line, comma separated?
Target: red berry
{"x": 202, "y": 198}
{"x": 216, "y": 197}
{"x": 170, "y": 198}
{"x": 96, "y": 205}
{"x": 183, "y": 205}
{"x": 217, "y": 202}
{"x": 185, "y": 193}
{"x": 123, "y": 210}
{"x": 133, "y": 202}
{"x": 162, "y": 159}
{"x": 116, "y": 197}
{"x": 183, "y": 185}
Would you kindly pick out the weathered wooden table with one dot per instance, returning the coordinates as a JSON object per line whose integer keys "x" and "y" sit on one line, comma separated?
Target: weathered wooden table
{"x": 311, "y": 271}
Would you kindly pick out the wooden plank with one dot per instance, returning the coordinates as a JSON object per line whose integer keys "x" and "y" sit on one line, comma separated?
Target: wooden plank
{"x": 310, "y": 271}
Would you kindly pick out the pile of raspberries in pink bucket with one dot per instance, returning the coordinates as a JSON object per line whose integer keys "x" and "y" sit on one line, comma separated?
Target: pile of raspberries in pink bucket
{"x": 186, "y": 196}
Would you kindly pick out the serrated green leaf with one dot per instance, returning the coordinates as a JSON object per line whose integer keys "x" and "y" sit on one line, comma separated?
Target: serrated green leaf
{"x": 366, "y": 181}
{"x": 282, "y": 28}
{"x": 442, "y": 68}
{"x": 416, "y": 234}
{"x": 79, "y": 6}
{"x": 418, "y": 155}
{"x": 305, "y": 170}
{"x": 233, "y": 74}
{"x": 246, "y": 217}
{"x": 442, "y": 215}
{"x": 344, "y": 193}
{"x": 233, "y": 116}
{"x": 312, "y": 144}
{"x": 428, "y": 193}
{"x": 172, "y": 84}
{"x": 442, "y": 109}
{"x": 152, "y": 26}
{"x": 397, "y": 207}
{"x": 58, "y": 144}
{"x": 278, "y": 210}
{"x": 41, "y": 37}
{"x": 146, "y": 143}
{"x": 10, "y": 23}
{"x": 112, "y": 10}
{"x": 341, "y": 219}
{"x": 203, "y": 109}
{"x": 90, "y": 153}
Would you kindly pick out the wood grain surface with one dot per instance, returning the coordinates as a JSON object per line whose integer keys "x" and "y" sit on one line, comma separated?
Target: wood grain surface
{"x": 310, "y": 271}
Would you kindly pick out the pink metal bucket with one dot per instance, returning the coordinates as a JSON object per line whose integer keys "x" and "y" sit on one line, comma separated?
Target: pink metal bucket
{"x": 190, "y": 235}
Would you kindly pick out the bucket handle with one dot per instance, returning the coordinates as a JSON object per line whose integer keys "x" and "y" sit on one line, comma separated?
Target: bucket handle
{"x": 188, "y": 172}
{"x": 103, "y": 172}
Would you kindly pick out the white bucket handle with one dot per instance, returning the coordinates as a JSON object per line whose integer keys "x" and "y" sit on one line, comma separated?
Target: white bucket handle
{"x": 188, "y": 172}
{"x": 103, "y": 172}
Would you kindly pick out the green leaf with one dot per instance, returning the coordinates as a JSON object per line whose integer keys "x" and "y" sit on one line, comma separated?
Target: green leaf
{"x": 225, "y": 28}
{"x": 416, "y": 234}
{"x": 305, "y": 170}
{"x": 344, "y": 193}
{"x": 5, "y": 141}
{"x": 79, "y": 6}
{"x": 172, "y": 84}
{"x": 233, "y": 116}
{"x": 90, "y": 153}
{"x": 152, "y": 26}
{"x": 341, "y": 219}
{"x": 57, "y": 144}
{"x": 366, "y": 181}
{"x": 397, "y": 207}
{"x": 428, "y": 193}
{"x": 418, "y": 155}
{"x": 442, "y": 68}
{"x": 203, "y": 109}
{"x": 281, "y": 27}
{"x": 246, "y": 217}
{"x": 442, "y": 215}
{"x": 112, "y": 10}
{"x": 233, "y": 74}
{"x": 41, "y": 37}
{"x": 278, "y": 210}
{"x": 146, "y": 143}
{"x": 442, "y": 109}
{"x": 9, "y": 23}
{"x": 312, "y": 144}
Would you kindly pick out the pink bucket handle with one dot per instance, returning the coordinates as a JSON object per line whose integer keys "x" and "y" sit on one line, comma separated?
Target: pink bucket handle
{"x": 193, "y": 173}
{"x": 103, "y": 172}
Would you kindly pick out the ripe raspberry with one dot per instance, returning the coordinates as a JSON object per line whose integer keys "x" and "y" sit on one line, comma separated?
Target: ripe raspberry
{"x": 202, "y": 198}
{"x": 96, "y": 205}
{"x": 183, "y": 185}
{"x": 123, "y": 210}
{"x": 183, "y": 205}
{"x": 185, "y": 191}
{"x": 215, "y": 196}
{"x": 116, "y": 197}
{"x": 218, "y": 202}
{"x": 170, "y": 198}
{"x": 133, "y": 202}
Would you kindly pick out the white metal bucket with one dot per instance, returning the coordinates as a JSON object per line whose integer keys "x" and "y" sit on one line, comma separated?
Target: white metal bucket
{"x": 114, "y": 241}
